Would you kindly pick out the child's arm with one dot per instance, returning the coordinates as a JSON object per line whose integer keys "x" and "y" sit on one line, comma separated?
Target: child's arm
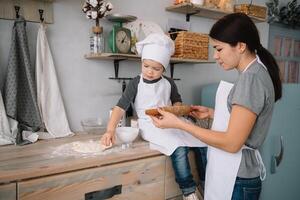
{"x": 109, "y": 137}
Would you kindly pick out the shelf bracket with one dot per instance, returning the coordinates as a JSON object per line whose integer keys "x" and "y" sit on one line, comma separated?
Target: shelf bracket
{"x": 172, "y": 69}
{"x": 188, "y": 15}
{"x": 116, "y": 67}
{"x": 172, "y": 72}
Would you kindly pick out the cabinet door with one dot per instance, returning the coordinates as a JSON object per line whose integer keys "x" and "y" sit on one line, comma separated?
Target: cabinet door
{"x": 8, "y": 191}
{"x": 284, "y": 183}
{"x": 140, "y": 179}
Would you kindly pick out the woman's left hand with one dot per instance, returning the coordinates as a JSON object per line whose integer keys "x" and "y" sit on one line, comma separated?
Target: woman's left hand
{"x": 166, "y": 120}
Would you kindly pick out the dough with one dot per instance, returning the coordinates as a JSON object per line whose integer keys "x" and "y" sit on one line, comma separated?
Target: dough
{"x": 89, "y": 147}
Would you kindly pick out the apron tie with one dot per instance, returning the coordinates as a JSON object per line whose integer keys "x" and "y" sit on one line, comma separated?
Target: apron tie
{"x": 262, "y": 168}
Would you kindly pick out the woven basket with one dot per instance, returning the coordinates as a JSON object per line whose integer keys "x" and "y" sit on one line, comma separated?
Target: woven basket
{"x": 252, "y": 10}
{"x": 190, "y": 45}
{"x": 181, "y": 1}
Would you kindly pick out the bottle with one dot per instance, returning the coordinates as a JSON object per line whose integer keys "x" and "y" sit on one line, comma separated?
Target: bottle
{"x": 97, "y": 40}
{"x": 141, "y": 34}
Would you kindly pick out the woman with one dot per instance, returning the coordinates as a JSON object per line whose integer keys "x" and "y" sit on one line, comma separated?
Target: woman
{"x": 242, "y": 113}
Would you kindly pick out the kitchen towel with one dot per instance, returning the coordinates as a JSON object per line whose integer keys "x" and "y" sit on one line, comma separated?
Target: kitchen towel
{"x": 49, "y": 97}
{"x": 19, "y": 88}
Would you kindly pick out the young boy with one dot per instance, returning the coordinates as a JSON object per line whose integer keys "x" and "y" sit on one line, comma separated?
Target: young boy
{"x": 151, "y": 90}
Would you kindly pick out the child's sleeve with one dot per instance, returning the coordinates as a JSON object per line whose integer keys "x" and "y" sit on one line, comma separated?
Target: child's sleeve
{"x": 175, "y": 96}
{"x": 129, "y": 94}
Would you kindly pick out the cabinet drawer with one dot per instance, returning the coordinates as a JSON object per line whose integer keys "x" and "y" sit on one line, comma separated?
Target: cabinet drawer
{"x": 8, "y": 191}
{"x": 140, "y": 179}
{"x": 172, "y": 189}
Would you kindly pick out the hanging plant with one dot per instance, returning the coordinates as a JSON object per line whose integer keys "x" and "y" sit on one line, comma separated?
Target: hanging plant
{"x": 96, "y": 9}
{"x": 273, "y": 11}
{"x": 289, "y": 14}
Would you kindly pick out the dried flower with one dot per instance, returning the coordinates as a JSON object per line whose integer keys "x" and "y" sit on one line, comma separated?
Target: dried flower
{"x": 96, "y": 9}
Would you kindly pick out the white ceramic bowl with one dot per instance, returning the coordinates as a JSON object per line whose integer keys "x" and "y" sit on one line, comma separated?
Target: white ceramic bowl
{"x": 127, "y": 134}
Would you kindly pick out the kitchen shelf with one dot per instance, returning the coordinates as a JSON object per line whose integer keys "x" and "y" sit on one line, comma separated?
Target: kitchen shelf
{"x": 201, "y": 11}
{"x": 117, "y": 57}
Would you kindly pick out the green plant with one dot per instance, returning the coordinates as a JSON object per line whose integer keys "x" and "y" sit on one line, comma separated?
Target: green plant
{"x": 288, "y": 14}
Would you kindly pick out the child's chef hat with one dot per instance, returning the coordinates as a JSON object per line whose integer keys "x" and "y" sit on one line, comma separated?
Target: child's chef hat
{"x": 157, "y": 47}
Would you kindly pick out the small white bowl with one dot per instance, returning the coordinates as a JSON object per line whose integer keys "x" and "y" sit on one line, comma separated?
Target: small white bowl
{"x": 127, "y": 134}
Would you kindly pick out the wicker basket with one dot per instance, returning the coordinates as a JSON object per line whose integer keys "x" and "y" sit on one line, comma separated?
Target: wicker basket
{"x": 252, "y": 10}
{"x": 190, "y": 45}
{"x": 181, "y": 1}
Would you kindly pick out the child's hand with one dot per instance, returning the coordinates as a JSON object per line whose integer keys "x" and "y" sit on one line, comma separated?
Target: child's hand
{"x": 201, "y": 112}
{"x": 108, "y": 138}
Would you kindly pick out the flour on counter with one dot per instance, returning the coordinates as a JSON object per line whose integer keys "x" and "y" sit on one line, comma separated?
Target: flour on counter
{"x": 88, "y": 147}
{"x": 84, "y": 148}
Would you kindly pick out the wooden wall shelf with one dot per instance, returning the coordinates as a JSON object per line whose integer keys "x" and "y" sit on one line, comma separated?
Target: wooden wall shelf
{"x": 201, "y": 11}
{"x": 117, "y": 57}
{"x": 29, "y": 9}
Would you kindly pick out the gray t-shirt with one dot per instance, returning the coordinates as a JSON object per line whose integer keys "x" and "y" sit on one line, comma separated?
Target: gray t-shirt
{"x": 253, "y": 90}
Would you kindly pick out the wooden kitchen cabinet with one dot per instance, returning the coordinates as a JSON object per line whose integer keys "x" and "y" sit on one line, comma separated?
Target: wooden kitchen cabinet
{"x": 8, "y": 191}
{"x": 136, "y": 179}
{"x": 33, "y": 172}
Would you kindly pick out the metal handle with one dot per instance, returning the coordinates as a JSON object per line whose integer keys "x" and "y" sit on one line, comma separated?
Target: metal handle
{"x": 276, "y": 159}
{"x": 104, "y": 194}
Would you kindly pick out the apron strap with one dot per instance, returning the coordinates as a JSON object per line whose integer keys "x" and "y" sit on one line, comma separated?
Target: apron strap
{"x": 262, "y": 168}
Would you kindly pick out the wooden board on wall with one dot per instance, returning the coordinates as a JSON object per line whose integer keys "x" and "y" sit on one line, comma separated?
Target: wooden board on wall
{"x": 8, "y": 191}
{"x": 29, "y": 9}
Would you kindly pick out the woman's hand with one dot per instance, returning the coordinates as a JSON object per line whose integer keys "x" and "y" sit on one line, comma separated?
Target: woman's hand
{"x": 166, "y": 120}
{"x": 108, "y": 138}
{"x": 201, "y": 112}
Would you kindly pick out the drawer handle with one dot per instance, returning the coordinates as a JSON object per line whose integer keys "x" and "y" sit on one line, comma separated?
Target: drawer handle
{"x": 104, "y": 194}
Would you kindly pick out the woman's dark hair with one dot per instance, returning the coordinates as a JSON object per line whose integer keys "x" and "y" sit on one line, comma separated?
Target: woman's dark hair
{"x": 238, "y": 27}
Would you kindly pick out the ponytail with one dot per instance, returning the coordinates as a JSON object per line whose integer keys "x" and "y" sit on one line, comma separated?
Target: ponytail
{"x": 273, "y": 69}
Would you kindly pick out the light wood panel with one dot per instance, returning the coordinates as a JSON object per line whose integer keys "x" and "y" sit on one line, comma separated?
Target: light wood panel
{"x": 202, "y": 11}
{"x": 141, "y": 179}
{"x": 36, "y": 160}
{"x": 8, "y": 191}
{"x": 29, "y": 9}
{"x": 120, "y": 56}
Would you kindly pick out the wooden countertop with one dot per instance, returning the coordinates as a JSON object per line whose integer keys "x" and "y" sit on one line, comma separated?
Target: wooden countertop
{"x": 36, "y": 160}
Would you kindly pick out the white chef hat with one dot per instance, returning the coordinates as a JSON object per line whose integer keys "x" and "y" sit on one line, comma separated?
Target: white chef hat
{"x": 158, "y": 47}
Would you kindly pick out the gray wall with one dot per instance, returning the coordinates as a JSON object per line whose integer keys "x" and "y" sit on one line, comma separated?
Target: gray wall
{"x": 86, "y": 89}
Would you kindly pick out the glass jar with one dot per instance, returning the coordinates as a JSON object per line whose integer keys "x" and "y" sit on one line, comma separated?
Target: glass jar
{"x": 97, "y": 40}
